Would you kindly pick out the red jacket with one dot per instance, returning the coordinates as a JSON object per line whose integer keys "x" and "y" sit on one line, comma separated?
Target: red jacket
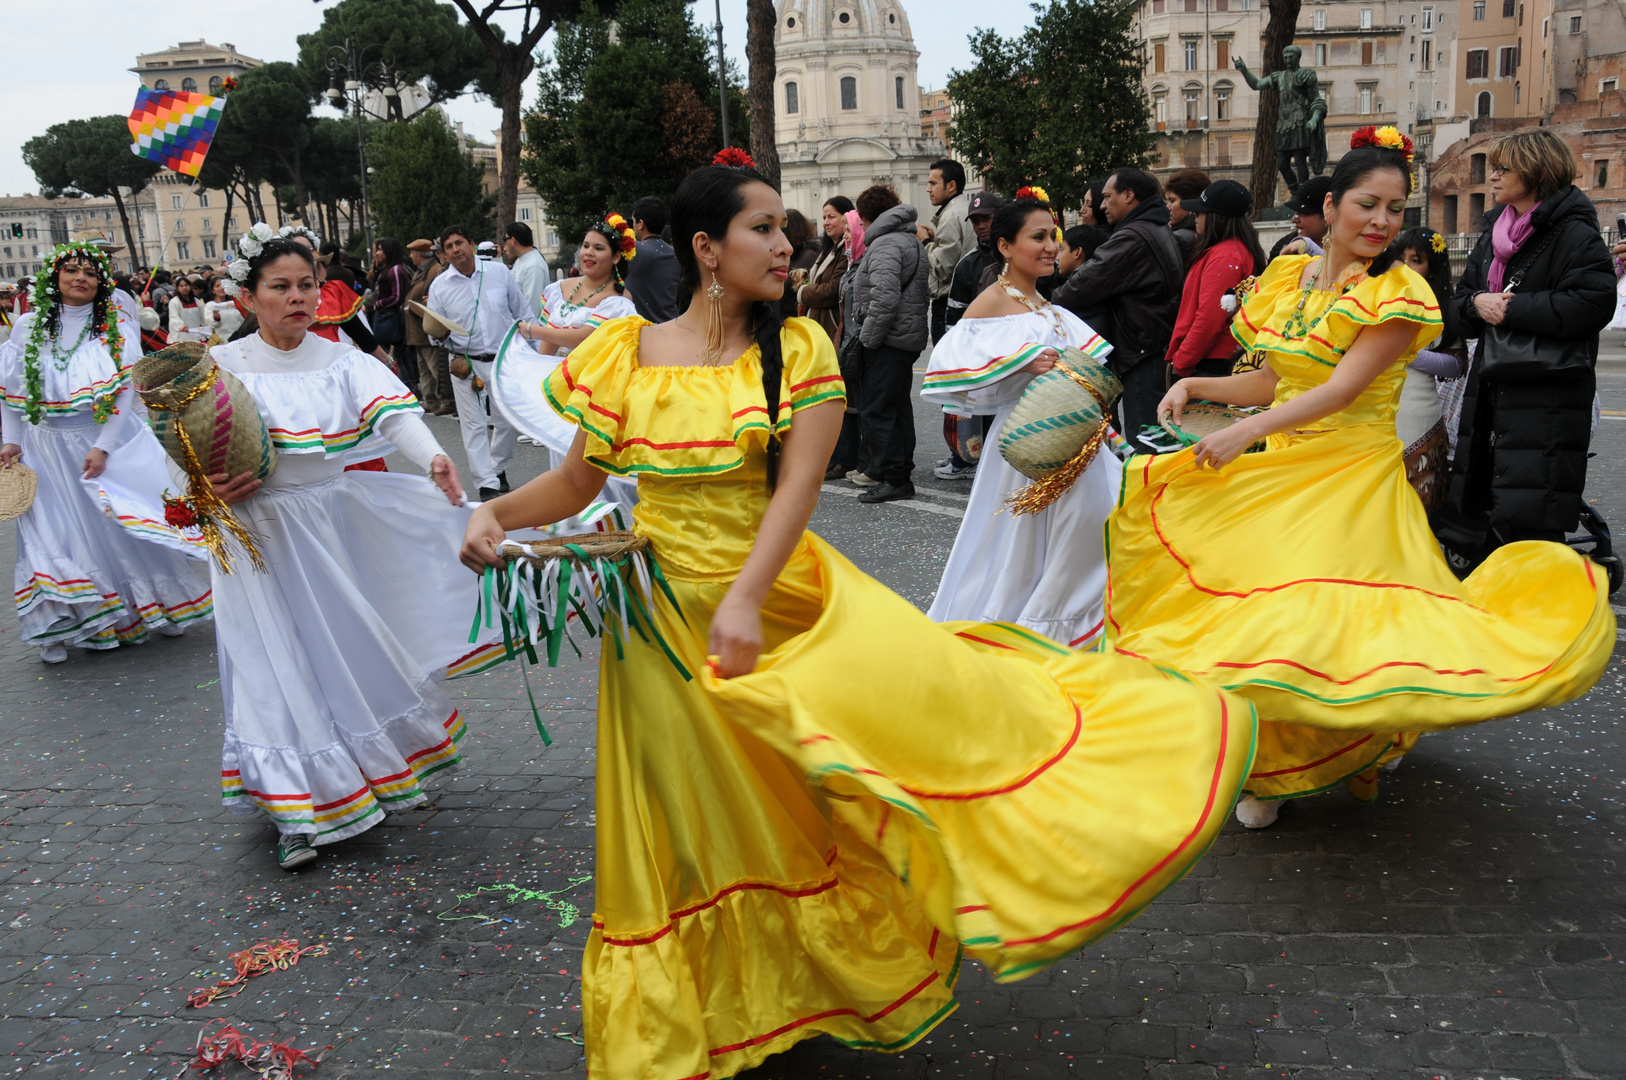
{"x": 1202, "y": 330}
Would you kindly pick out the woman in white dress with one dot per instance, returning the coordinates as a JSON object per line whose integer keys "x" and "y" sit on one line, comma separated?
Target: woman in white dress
{"x": 96, "y": 564}
{"x": 571, "y": 310}
{"x": 186, "y": 313}
{"x": 330, "y": 661}
{"x": 1046, "y": 571}
{"x": 222, "y": 318}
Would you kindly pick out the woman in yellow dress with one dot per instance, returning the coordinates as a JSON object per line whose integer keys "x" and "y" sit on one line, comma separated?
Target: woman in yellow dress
{"x": 1305, "y": 577}
{"x": 817, "y": 798}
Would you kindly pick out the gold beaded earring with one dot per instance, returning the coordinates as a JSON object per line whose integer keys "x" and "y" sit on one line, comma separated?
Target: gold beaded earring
{"x": 713, "y": 356}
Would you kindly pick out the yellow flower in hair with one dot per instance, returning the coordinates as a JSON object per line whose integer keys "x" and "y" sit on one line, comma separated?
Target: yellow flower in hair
{"x": 1389, "y": 136}
{"x": 1040, "y": 194}
{"x": 1437, "y": 243}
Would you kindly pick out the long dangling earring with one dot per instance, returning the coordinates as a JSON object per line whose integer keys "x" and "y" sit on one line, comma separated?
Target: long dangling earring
{"x": 713, "y": 355}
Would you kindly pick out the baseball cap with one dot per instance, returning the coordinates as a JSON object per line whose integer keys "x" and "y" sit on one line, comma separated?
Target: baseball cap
{"x": 983, "y": 202}
{"x": 1311, "y": 197}
{"x": 1226, "y": 197}
{"x": 421, "y": 245}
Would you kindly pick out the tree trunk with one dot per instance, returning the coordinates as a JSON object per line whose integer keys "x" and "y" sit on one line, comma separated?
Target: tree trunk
{"x": 138, "y": 256}
{"x": 225, "y": 219}
{"x": 760, "y": 19}
{"x": 512, "y": 70}
{"x": 1284, "y": 17}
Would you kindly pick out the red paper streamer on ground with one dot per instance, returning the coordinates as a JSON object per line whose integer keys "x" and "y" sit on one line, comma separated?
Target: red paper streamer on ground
{"x": 277, "y": 955}
{"x": 272, "y": 1060}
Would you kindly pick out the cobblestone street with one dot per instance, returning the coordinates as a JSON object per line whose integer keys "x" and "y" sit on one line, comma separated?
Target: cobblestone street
{"x": 1467, "y": 925}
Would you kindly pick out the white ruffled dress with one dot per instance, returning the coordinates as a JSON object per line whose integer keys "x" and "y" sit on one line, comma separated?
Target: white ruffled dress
{"x": 330, "y": 661}
{"x": 519, "y": 372}
{"x": 1046, "y": 571}
{"x": 96, "y": 564}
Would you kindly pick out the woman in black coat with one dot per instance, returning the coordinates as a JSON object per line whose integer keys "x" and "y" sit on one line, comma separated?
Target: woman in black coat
{"x": 1520, "y": 464}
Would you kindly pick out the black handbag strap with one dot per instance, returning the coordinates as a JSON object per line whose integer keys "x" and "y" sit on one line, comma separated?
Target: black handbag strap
{"x": 1515, "y": 278}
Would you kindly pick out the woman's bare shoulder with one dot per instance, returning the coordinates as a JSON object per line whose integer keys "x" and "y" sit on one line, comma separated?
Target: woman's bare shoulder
{"x": 992, "y": 303}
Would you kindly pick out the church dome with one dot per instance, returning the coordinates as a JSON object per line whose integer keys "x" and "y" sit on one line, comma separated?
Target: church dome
{"x": 829, "y": 22}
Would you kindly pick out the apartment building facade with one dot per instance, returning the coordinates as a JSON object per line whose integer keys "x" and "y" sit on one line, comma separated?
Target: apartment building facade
{"x": 30, "y": 226}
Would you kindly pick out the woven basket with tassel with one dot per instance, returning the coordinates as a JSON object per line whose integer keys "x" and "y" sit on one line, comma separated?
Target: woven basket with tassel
{"x": 1057, "y": 428}
{"x": 208, "y": 423}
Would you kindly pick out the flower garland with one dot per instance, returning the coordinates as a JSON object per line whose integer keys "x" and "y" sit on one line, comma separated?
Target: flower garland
{"x": 1387, "y": 137}
{"x": 104, "y": 323}
{"x": 734, "y": 158}
{"x": 615, "y": 228}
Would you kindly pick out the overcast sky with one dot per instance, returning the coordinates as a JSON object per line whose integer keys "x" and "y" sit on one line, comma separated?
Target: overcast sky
{"x": 70, "y": 58}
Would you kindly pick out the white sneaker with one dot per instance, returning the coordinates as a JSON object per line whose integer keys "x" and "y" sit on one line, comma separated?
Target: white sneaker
{"x": 951, "y": 471}
{"x": 1256, "y": 813}
{"x": 527, "y": 440}
{"x": 53, "y": 654}
{"x": 861, "y": 480}
{"x": 171, "y": 630}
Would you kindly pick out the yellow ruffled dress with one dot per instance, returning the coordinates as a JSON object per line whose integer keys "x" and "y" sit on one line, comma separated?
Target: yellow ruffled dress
{"x": 807, "y": 849}
{"x": 1305, "y": 578}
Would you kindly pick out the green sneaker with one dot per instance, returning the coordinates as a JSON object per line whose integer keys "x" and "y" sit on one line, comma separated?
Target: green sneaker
{"x": 294, "y": 850}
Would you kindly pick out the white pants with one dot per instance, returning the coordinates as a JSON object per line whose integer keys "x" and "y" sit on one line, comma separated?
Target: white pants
{"x": 489, "y": 451}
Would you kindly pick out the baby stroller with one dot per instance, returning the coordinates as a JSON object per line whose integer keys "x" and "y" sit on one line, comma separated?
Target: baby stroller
{"x": 1465, "y": 548}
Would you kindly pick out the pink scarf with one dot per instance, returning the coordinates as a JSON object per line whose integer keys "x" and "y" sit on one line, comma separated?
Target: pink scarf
{"x": 855, "y": 237}
{"x": 1507, "y": 237}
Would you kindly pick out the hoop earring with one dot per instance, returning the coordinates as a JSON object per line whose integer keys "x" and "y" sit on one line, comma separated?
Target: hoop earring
{"x": 713, "y": 356}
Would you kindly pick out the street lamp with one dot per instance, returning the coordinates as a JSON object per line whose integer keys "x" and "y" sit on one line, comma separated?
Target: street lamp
{"x": 349, "y": 70}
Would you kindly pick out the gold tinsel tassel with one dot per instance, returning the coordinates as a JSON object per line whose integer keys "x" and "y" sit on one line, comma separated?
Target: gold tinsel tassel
{"x": 206, "y": 506}
{"x": 1041, "y": 493}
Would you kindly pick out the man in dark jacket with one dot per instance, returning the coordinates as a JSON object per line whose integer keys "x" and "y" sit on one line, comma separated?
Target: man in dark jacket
{"x": 889, "y": 299}
{"x": 652, "y": 276}
{"x": 1520, "y": 464}
{"x": 1137, "y": 273}
{"x": 964, "y": 287}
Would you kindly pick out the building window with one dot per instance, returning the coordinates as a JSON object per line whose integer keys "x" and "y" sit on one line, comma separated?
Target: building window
{"x": 1366, "y": 54}
{"x": 1222, "y": 103}
{"x": 1191, "y": 108}
{"x": 176, "y": 201}
{"x": 1222, "y": 53}
{"x": 1575, "y": 24}
{"x": 1191, "y": 5}
{"x": 1157, "y": 7}
{"x": 1518, "y": 93}
{"x": 849, "y": 92}
{"x": 207, "y": 225}
{"x": 1602, "y": 179}
{"x": 897, "y": 89}
{"x": 1476, "y": 169}
{"x": 1366, "y": 99}
{"x": 1321, "y": 55}
{"x": 1160, "y": 108}
{"x": 1428, "y": 20}
{"x": 1476, "y": 208}
{"x": 1222, "y": 5}
{"x": 1158, "y": 58}
{"x": 1505, "y": 62}
{"x": 208, "y": 249}
{"x": 1479, "y": 10}
{"x": 1521, "y": 14}
{"x": 1428, "y": 55}
{"x": 793, "y": 103}
{"x": 1320, "y": 19}
{"x": 183, "y": 251}
{"x": 844, "y": 18}
{"x": 1450, "y": 215}
{"x": 1189, "y": 48}
{"x": 1478, "y": 63}
{"x": 203, "y": 200}
{"x": 160, "y": 84}
{"x": 525, "y": 213}
{"x": 214, "y": 84}
{"x": 189, "y": 86}
{"x": 1482, "y": 107}
{"x": 1606, "y": 85}
{"x": 1366, "y": 18}
{"x": 231, "y": 222}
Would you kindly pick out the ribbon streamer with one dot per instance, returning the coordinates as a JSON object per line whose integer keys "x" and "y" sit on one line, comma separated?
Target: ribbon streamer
{"x": 278, "y": 954}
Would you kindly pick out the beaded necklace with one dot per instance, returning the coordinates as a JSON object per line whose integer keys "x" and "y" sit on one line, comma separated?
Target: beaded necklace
{"x": 60, "y": 359}
{"x": 1042, "y": 307}
{"x": 1295, "y": 327}
{"x": 571, "y": 304}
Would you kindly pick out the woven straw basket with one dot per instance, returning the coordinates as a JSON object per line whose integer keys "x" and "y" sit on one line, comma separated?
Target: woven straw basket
{"x": 1200, "y": 419}
{"x": 221, "y": 418}
{"x": 17, "y": 485}
{"x": 1057, "y": 414}
{"x": 593, "y": 545}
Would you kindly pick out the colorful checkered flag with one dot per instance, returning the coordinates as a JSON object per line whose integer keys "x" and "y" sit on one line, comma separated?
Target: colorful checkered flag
{"x": 174, "y": 128}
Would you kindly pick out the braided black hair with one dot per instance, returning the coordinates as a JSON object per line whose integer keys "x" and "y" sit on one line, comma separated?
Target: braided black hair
{"x": 706, "y": 202}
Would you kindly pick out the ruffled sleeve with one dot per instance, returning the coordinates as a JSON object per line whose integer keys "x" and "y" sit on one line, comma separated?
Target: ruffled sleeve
{"x": 977, "y": 366}
{"x": 1398, "y": 293}
{"x": 684, "y": 421}
{"x": 589, "y": 389}
{"x": 611, "y": 307}
{"x": 1278, "y": 284}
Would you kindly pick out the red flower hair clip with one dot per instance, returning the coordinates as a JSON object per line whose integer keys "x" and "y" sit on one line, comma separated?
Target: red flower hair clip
{"x": 733, "y": 157}
{"x": 1387, "y": 137}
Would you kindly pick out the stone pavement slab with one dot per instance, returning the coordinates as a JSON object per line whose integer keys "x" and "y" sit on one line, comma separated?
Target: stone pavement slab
{"x": 1468, "y": 925}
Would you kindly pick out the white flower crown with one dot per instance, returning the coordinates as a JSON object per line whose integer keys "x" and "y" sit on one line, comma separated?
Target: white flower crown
{"x": 251, "y": 243}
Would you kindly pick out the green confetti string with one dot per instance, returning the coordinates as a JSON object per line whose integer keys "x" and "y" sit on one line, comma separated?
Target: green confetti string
{"x": 568, "y": 912}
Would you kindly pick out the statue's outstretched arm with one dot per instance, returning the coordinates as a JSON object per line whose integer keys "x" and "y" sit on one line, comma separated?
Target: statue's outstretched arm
{"x": 1242, "y": 66}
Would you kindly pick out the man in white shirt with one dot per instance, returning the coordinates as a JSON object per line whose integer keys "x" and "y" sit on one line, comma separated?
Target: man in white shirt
{"x": 530, "y": 270}
{"x": 482, "y": 296}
